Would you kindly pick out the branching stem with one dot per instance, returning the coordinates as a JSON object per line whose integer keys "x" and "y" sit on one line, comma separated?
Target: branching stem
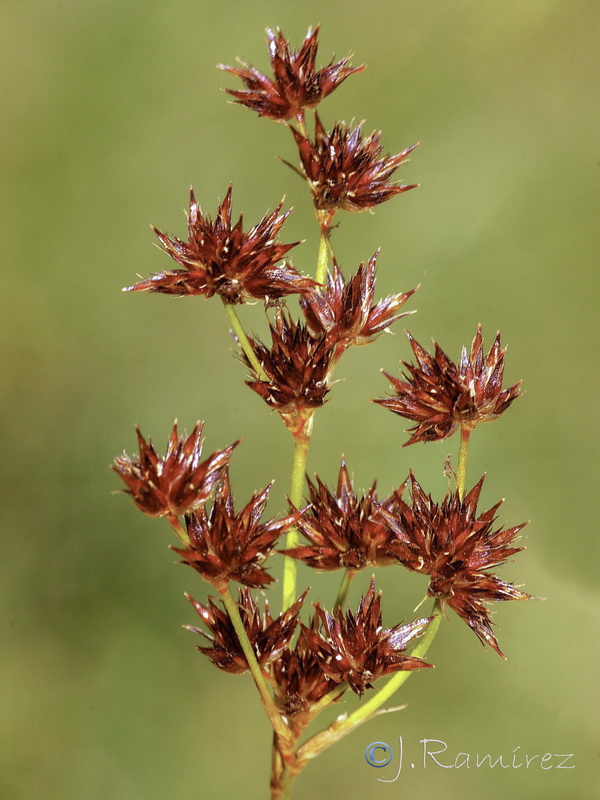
{"x": 341, "y": 727}
{"x": 275, "y": 717}
{"x": 461, "y": 473}
{"x": 302, "y": 443}
{"x": 242, "y": 339}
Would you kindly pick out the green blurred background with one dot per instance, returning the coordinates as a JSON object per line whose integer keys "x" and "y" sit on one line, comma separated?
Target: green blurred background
{"x": 110, "y": 111}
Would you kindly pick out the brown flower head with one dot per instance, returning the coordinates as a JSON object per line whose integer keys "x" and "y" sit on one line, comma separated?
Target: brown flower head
{"x": 220, "y": 258}
{"x": 177, "y": 483}
{"x": 269, "y": 638}
{"x": 341, "y": 528}
{"x": 297, "y": 84}
{"x": 227, "y": 546}
{"x": 358, "y": 649}
{"x": 346, "y": 313}
{"x": 297, "y": 366}
{"x": 346, "y": 170}
{"x": 454, "y": 545}
{"x": 441, "y": 396}
{"x": 299, "y": 680}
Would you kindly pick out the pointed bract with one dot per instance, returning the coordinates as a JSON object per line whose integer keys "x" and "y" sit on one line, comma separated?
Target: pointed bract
{"x": 441, "y": 396}
{"x": 341, "y": 528}
{"x": 269, "y": 638}
{"x": 357, "y": 649}
{"x": 296, "y": 83}
{"x": 227, "y": 546}
{"x": 300, "y": 681}
{"x": 221, "y": 258}
{"x": 455, "y": 545}
{"x": 346, "y": 312}
{"x": 297, "y": 366}
{"x": 346, "y": 170}
{"x": 177, "y": 483}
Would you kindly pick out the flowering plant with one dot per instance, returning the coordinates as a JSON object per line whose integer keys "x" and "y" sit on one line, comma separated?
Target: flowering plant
{"x": 300, "y": 667}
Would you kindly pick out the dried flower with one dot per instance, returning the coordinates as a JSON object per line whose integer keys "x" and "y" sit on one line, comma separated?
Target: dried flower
{"x": 345, "y": 311}
{"x": 227, "y": 546}
{"x": 177, "y": 483}
{"x": 358, "y": 649}
{"x": 297, "y": 84}
{"x": 297, "y": 366}
{"x": 222, "y": 259}
{"x": 342, "y": 529}
{"x": 442, "y": 396}
{"x": 346, "y": 170}
{"x": 299, "y": 679}
{"x": 269, "y": 638}
{"x": 454, "y": 545}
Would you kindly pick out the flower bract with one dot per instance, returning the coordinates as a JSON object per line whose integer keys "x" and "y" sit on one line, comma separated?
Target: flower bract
{"x": 296, "y": 83}
{"x": 441, "y": 396}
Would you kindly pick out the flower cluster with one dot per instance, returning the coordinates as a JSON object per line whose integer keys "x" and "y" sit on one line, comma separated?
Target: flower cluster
{"x": 296, "y": 84}
{"x": 221, "y": 258}
{"x": 345, "y": 311}
{"x": 344, "y": 530}
{"x": 226, "y": 546}
{"x": 269, "y": 638}
{"x": 301, "y": 668}
{"x": 346, "y": 170}
{"x": 357, "y": 649}
{"x": 296, "y": 369}
{"x": 347, "y": 648}
{"x": 455, "y": 545}
{"x": 441, "y": 396}
{"x": 177, "y": 483}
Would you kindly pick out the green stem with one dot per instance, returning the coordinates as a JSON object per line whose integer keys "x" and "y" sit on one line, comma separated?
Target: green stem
{"x": 180, "y": 531}
{"x": 461, "y": 473}
{"x": 272, "y": 712}
{"x": 344, "y": 586}
{"x": 241, "y": 337}
{"x": 342, "y": 727}
{"x": 302, "y": 443}
{"x": 301, "y": 123}
{"x": 328, "y": 699}
{"x": 323, "y": 257}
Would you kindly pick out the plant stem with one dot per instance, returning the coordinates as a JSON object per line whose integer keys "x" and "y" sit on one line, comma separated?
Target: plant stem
{"x": 461, "y": 473}
{"x": 342, "y": 727}
{"x": 242, "y": 339}
{"x": 344, "y": 586}
{"x": 301, "y": 123}
{"x": 328, "y": 699}
{"x": 272, "y": 712}
{"x": 179, "y": 530}
{"x": 302, "y": 443}
{"x": 323, "y": 257}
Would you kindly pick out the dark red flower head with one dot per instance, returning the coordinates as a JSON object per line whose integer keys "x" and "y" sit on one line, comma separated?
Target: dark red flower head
{"x": 177, "y": 483}
{"x": 346, "y": 170}
{"x": 300, "y": 681}
{"x": 269, "y": 638}
{"x": 297, "y": 84}
{"x": 346, "y": 313}
{"x": 455, "y": 545}
{"x": 342, "y": 529}
{"x": 227, "y": 546}
{"x": 441, "y": 396}
{"x": 220, "y": 258}
{"x": 297, "y": 366}
{"x": 357, "y": 648}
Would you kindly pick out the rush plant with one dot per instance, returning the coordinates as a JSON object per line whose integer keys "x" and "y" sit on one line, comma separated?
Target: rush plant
{"x": 302, "y": 661}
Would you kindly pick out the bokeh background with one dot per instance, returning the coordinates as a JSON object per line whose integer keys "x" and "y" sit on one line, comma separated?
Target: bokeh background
{"x": 110, "y": 110}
